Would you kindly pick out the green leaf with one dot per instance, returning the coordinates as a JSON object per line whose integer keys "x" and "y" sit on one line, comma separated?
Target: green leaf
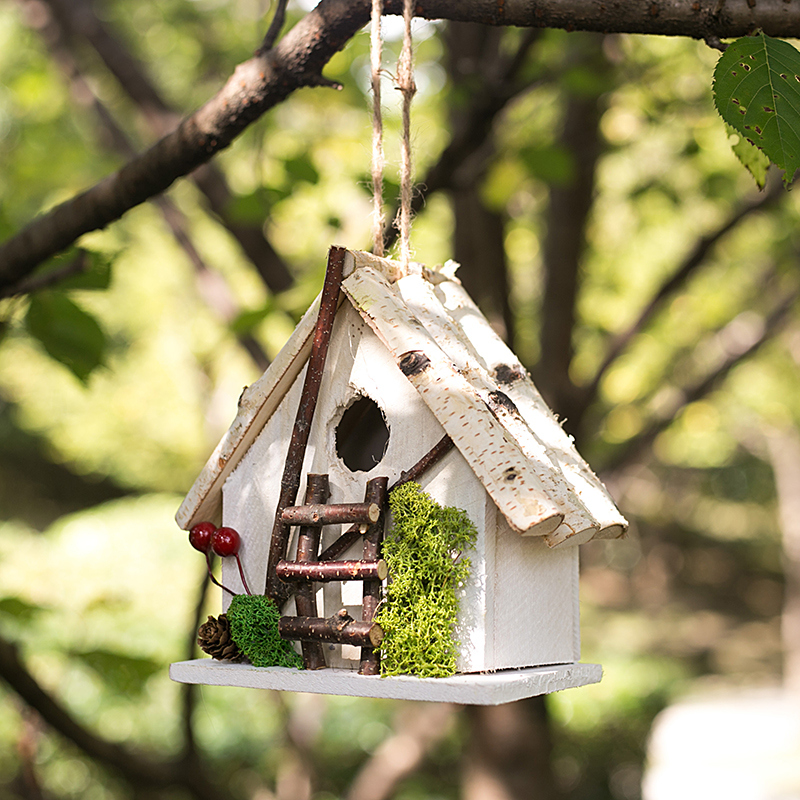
{"x": 122, "y": 673}
{"x": 251, "y": 209}
{"x": 68, "y": 333}
{"x": 301, "y": 169}
{"x": 19, "y": 609}
{"x": 757, "y": 92}
{"x": 247, "y": 320}
{"x": 550, "y": 163}
{"x": 752, "y": 159}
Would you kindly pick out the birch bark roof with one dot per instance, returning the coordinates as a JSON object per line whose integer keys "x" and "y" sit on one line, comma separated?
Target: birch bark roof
{"x": 472, "y": 382}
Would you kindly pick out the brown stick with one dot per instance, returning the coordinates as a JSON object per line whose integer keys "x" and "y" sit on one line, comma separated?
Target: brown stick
{"x": 333, "y": 514}
{"x": 352, "y": 535}
{"x": 341, "y": 629}
{"x": 317, "y": 491}
{"x": 326, "y": 571}
{"x": 376, "y": 492}
{"x": 290, "y": 482}
{"x": 431, "y": 458}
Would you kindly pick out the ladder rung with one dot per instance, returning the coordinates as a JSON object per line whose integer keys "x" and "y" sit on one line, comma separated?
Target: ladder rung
{"x": 332, "y": 514}
{"x": 369, "y": 570}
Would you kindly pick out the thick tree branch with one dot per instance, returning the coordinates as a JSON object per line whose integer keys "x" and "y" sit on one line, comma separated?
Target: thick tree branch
{"x": 267, "y": 79}
{"x": 211, "y": 286}
{"x": 73, "y": 22}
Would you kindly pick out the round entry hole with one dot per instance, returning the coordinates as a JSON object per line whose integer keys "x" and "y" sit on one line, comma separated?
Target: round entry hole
{"x": 362, "y": 435}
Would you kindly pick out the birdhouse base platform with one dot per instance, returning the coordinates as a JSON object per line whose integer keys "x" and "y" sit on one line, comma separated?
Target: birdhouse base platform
{"x": 486, "y": 689}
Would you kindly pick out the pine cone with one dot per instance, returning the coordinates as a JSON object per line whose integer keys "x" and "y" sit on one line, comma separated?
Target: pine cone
{"x": 214, "y": 638}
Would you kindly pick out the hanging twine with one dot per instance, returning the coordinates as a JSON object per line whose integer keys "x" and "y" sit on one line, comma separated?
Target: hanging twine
{"x": 405, "y": 82}
{"x": 376, "y": 52}
{"x": 407, "y": 87}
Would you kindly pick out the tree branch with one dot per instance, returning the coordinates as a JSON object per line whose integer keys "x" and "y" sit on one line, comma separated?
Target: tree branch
{"x": 136, "y": 768}
{"x": 189, "y": 690}
{"x": 35, "y": 283}
{"x": 267, "y": 79}
{"x": 461, "y": 162}
{"x": 73, "y": 21}
{"x": 694, "y": 260}
{"x": 419, "y": 728}
{"x": 568, "y": 211}
{"x": 737, "y": 353}
{"x": 211, "y": 286}
{"x": 274, "y": 27}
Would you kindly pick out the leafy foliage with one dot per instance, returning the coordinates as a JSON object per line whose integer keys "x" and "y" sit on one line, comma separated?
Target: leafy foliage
{"x": 254, "y": 628}
{"x": 426, "y": 568}
{"x": 67, "y": 332}
{"x": 125, "y": 674}
{"x": 19, "y": 609}
{"x": 757, "y": 92}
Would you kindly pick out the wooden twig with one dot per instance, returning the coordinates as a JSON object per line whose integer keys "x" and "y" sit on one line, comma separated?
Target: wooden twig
{"x": 374, "y": 569}
{"x": 317, "y": 491}
{"x": 275, "y": 26}
{"x": 333, "y": 514}
{"x": 290, "y": 482}
{"x": 430, "y": 459}
{"x": 376, "y": 492}
{"x": 340, "y": 628}
{"x": 352, "y": 535}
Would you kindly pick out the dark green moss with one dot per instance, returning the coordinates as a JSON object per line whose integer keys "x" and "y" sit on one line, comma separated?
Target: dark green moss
{"x": 254, "y": 628}
{"x": 426, "y": 568}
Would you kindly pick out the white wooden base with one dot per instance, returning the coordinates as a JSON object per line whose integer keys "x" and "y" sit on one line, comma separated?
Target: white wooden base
{"x": 485, "y": 689}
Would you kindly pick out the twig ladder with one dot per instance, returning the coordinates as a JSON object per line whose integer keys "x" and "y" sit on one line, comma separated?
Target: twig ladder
{"x": 308, "y": 568}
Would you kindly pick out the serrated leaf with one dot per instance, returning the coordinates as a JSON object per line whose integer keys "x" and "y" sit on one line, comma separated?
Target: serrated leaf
{"x": 68, "y": 333}
{"x": 122, "y": 673}
{"x": 19, "y": 609}
{"x": 751, "y": 158}
{"x": 757, "y": 92}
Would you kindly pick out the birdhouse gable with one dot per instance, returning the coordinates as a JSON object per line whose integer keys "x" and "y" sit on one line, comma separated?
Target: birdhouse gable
{"x": 474, "y": 386}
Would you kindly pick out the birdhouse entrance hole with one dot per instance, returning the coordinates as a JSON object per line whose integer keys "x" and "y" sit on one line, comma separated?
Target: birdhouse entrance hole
{"x": 362, "y": 435}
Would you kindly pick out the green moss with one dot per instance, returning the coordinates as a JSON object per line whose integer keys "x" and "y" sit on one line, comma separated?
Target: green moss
{"x": 426, "y": 568}
{"x": 254, "y": 628}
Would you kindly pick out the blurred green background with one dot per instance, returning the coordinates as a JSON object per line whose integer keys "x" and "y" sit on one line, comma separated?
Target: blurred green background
{"x": 590, "y": 193}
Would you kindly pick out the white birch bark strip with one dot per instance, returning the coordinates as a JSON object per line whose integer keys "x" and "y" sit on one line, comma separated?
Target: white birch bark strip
{"x": 501, "y": 362}
{"x": 497, "y": 460}
{"x": 423, "y": 303}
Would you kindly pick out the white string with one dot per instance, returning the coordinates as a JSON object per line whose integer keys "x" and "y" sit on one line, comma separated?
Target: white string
{"x": 375, "y": 51}
{"x": 405, "y": 80}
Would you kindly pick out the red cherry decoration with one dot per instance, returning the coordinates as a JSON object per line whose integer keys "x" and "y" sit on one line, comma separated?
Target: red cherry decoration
{"x": 225, "y": 542}
{"x": 201, "y": 535}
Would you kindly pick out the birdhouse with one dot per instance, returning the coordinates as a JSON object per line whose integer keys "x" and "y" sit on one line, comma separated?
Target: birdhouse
{"x": 415, "y": 385}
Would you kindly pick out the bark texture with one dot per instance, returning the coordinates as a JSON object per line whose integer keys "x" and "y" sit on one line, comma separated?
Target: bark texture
{"x": 265, "y": 80}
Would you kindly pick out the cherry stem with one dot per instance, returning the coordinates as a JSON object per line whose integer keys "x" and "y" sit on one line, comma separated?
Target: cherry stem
{"x": 241, "y": 572}
{"x": 215, "y": 581}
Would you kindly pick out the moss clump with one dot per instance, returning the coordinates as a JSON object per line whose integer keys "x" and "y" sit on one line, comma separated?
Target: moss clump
{"x": 254, "y": 628}
{"x": 423, "y": 553}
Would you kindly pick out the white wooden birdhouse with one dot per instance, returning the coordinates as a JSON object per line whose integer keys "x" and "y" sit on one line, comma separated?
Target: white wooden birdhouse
{"x": 415, "y": 381}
